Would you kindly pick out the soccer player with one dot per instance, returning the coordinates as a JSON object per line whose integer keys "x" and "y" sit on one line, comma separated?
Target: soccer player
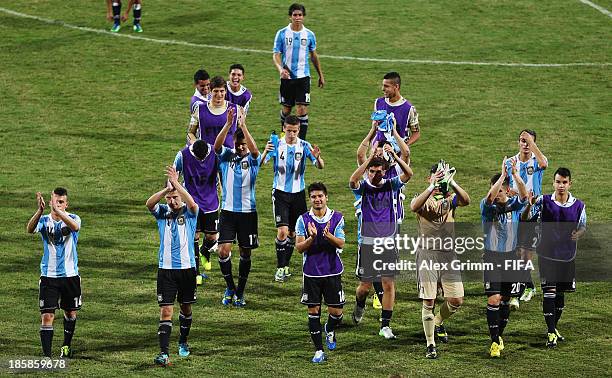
{"x": 198, "y": 165}
{"x": 500, "y": 216}
{"x": 435, "y": 212}
{"x": 381, "y": 149}
{"x": 288, "y": 199}
{"x": 378, "y": 221}
{"x": 293, "y": 45}
{"x": 406, "y": 116}
{"x": 60, "y": 283}
{"x": 208, "y": 118}
{"x": 531, "y": 165}
{"x": 239, "y": 168}
{"x": 176, "y": 274}
{"x": 563, "y": 219}
{"x": 201, "y": 83}
{"x": 236, "y": 92}
{"x": 113, "y": 12}
{"x": 320, "y": 237}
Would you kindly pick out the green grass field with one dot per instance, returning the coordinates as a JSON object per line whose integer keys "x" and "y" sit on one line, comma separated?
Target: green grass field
{"x": 102, "y": 115}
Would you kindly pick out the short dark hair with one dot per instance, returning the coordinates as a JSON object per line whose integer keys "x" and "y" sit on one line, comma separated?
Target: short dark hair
{"x": 59, "y": 191}
{"x": 200, "y": 75}
{"x": 381, "y": 143}
{"x": 217, "y": 82}
{"x": 530, "y": 132}
{"x": 236, "y": 66}
{"x": 563, "y": 172}
{"x": 292, "y": 120}
{"x": 393, "y": 76}
{"x": 200, "y": 149}
{"x": 378, "y": 162}
{"x": 317, "y": 186}
{"x": 238, "y": 135}
{"x": 297, "y": 6}
{"x": 497, "y": 176}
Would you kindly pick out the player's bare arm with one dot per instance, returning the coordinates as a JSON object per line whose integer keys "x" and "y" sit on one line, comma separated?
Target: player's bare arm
{"x": 358, "y": 174}
{"x": 283, "y": 72}
{"x": 223, "y": 133}
{"x": 316, "y": 152}
{"x": 498, "y": 184}
{"x": 406, "y": 170}
{"x": 365, "y": 144}
{"x": 315, "y": 60}
{"x": 403, "y": 146}
{"x": 191, "y": 133}
{"x": 417, "y": 203}
{"x": 31, "y": 226}
{"x": 71, "y": 223}
{"x": 522, "y": 189}
{"x": 156, "y": 197}
{"x": 542, "y": 161}
{"x": 250, "y": 141}
{"x": 173, "y": 178}
{"x": 463, "y": 198}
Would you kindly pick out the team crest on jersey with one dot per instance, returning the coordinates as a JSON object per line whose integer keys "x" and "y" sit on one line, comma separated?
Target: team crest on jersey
{"x": 304, "y": 297}
{"x": 278, "y": 218}
{"x": 41, "y": 303}
{"x": 487, "y": 285}
{"x": 445, "y": 205}
{"x": 180, "y": 220}
{"x": 298, "y": 156}
{"x": 159, "y": 297}
{"x": 244, "y": 164}
{"x": 304, "y": 41}
{"x": 529, "y": 170}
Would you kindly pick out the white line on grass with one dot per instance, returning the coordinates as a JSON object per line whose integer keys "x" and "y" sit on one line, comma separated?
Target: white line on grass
{"x": 240, "y": 49}
{"x": 598, "y": 7}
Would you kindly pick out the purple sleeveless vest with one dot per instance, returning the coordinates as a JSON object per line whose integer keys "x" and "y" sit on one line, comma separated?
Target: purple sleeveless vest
{"x": 201, "y": 179}
{"x": 322, "y": 259}
{"x": 557, "y": 225}
{"x": 378, "y": 215}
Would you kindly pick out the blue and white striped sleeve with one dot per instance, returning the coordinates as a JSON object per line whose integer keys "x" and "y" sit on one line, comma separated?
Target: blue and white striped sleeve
{"x": 300, "y": 227}
{"x": 339, "y": 231}
{"x": 178, "y": 162}
{"x": 278, "y": 42}
{"x": 583, "y": 218}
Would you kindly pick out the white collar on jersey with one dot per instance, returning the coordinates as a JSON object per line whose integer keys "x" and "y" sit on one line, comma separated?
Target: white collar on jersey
{"x": 217, "y": 111}
{"x": 299, "y": 31}
{"x": 366, "y": 180}
{"x": 570, "y": 200}
{"x": 396, "y": 103}
{"x": 328, "y": 214}
{"x": 240, "y": 91}
{"x": 199, "y": 95}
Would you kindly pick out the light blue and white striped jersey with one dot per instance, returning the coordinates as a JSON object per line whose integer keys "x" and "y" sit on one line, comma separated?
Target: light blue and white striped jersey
{"x": 531, "y": 173}
{"x": 176, "y": 234}
{"x": 295, "y": 48}
{"x": 500, "y": 224}
{"x": 238, "y": 178}
{"x": 290, "y": 165}
{"x": 60, "y": 247}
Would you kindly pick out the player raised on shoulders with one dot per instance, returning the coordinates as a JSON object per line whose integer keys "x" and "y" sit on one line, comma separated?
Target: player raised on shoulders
{"x": 60, "y": 283}
{"x": 406, "y": 116}
{"x": 320, "y": 237}
{"x": 176, "y": 273}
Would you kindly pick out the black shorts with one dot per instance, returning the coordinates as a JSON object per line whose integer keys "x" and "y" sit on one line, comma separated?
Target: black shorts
{"x": 208, "y": 222}
{"x": 560, "y": 275}
{"x": 288, "y": 207}
{"x": 176, "y": 283}
{"x": 375, "y": 262}
{"x": 330, "y": 288}
{"x": 295, "y": 91}
{"x": 243, "y": 225}
{"x": 506, "y": 276}
{"x": 528, "y": 235}
{"x": 61, "y": 292}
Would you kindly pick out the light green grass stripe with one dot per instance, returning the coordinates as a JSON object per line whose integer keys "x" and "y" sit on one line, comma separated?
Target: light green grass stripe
{"x": 257, "y": 51}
